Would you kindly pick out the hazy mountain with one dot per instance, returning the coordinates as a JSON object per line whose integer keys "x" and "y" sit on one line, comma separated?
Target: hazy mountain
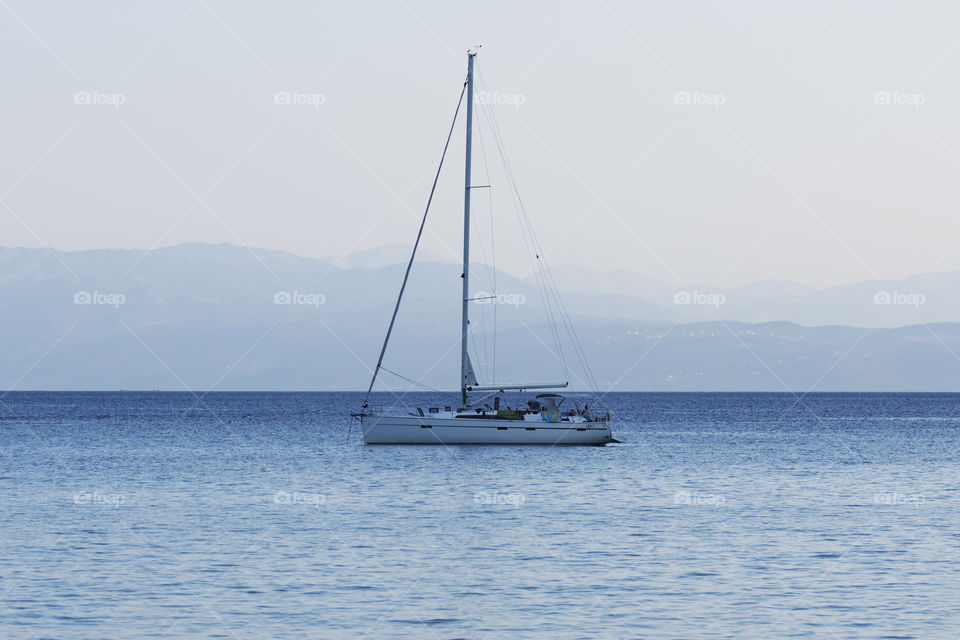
{"x": 619, "y": 282}
{"x": 200, "y": 316}
{"x": 924, "y": 298}
{"x": 387, "y": 255}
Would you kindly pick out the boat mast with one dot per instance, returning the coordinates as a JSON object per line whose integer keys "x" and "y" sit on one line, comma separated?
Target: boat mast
{"x": 464, "y": 356}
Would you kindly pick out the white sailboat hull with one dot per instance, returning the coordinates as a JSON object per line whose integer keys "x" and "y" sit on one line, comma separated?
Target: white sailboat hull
{"x": 435, "y": 429}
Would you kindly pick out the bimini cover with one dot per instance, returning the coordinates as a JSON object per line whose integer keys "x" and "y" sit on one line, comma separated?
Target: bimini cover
{"x": 550, "y": 406}
{"x": 550, "y": 401}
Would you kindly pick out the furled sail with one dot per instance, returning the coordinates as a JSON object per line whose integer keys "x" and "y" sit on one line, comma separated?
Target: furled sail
{"x": 469, "y": 378}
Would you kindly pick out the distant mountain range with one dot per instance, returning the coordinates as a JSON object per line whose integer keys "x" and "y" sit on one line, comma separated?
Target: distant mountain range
{"x": 926, "y": 298}
{"x": 204, "y": 316}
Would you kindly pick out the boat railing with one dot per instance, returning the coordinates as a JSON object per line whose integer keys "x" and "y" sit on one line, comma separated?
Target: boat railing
{"x": 375, "y": 410}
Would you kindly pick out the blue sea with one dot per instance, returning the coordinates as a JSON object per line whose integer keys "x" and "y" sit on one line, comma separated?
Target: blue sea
{"x": 262, "y": 515}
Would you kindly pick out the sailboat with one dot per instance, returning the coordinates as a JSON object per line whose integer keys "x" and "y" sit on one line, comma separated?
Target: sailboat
{"x": 547, "y": 419}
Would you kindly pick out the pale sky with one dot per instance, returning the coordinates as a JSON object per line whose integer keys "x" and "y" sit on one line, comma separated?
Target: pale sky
{"x": 820, "y": 143}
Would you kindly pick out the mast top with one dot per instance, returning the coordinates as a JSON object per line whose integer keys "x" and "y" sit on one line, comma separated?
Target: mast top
{"x": 474, "y": 50}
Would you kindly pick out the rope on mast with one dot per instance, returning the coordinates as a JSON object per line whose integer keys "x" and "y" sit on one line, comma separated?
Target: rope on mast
{"x": 411, "y": 381}
{"x": 413, "y": 254}
{"x": 549, "y": 290}
{"x": 493, "y": 245}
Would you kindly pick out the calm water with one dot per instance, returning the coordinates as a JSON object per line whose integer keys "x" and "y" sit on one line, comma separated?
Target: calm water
{"x": 161, "y": 515}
